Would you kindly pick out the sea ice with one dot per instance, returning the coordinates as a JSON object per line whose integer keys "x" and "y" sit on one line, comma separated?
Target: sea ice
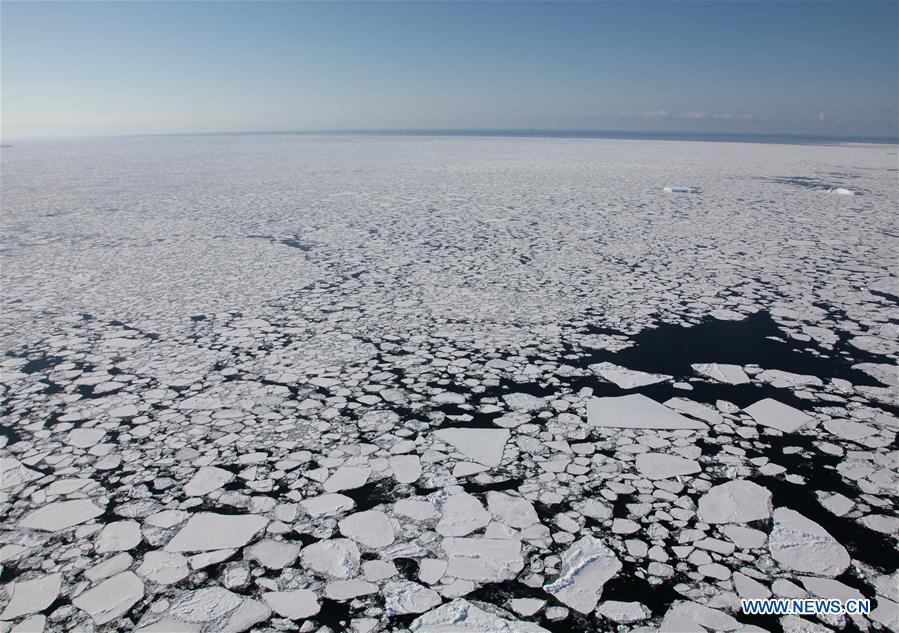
{"x": 664, "y": 466}
{"x": 624, "y": 377}
{"x": 483, "y": 559}
{"x": 403, "y": 596}
{"x": 112, "y": 598}
{"x": 737, "y": 501}
{"x": 774, "y": 414}
{"x": 462, "y": 514}
{"x": 298, "y": 604}
{"x": 208, "y": 531}
{"x": 802, "y": 545}
{"x": 636, "y": 411}
{"x": 31, "y": 596}
{"x": 347, "y": 478}
{"x": 484, "y": 446}
{"x": 338, "y": 558}
{"x": 461, "y": 616}
{"x": 327, "y": 505}
{"x": 371, "y": 528}
{"x": 730, "y": 374}
{"x": 206, "y": 480}
{"x": 60, "y": 515}
{"x": 587, "y": 565}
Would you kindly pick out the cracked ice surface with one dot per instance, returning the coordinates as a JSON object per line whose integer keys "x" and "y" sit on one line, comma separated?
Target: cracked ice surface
{"x": 445, "y": 384}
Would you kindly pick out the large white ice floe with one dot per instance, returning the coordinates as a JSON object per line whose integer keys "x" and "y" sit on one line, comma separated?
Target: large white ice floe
{"x": 371, "y": 528}
{"x": 273, "y": 554}
{"x": 665, "y": 466}
{"x": 624, "y": 377}
{"x": 683, "y": 616}
{"x": 327, "y": 505}
{"x": 514, "y": 511}
{"x": 780, "y": 416}
{"x": 737, "y": 501}
{"x": 293, "y": 605}
{"x": 587, "y": 565}
{"x": 800, "y": 544}
{"x": 461, "y": 616}
{"x": 205, "y": 480}
{"x": 347, "y": 478}
{"x": 484, "y": 446}
{"x": 403, "y": 596}
{"x": 483, "y": 559}
{"x": 31, "y": 596}
{"x": 207, "y": 531}
{"x": 730, "y": 374}
{"x": 14, "y": 473}
{"x": 462, "y": 514}
{"x": 336, "y": 558}
{"x": 61, "y": 515}
{"x": 118, "y": 536}
{"x": 636, "y": 411}
{"x": 112, "y": 598}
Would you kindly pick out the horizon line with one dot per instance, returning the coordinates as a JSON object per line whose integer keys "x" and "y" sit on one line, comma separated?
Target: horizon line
{"x": 571, "y": 133}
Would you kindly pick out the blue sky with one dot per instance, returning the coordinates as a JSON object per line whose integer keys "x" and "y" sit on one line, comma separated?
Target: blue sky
{"x": 818, "y": 68}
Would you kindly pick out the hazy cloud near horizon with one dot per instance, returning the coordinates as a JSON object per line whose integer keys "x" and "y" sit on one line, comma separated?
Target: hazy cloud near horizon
{"x": 817, "y": 68}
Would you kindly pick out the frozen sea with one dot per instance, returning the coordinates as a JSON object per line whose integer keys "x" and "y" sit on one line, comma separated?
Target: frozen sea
{"x": 374, "y": 383}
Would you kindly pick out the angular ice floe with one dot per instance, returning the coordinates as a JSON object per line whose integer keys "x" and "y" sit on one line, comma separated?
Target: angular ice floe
{"x": 327, "y": 505}
{"x": 843, "y": 191}
{"x": 516, "y": 512}
{"x": 777, "y": 415}
{"x": 681, "y": 189}
{"x": 118, "y": 536}
{"x": 208, "y": 531}
{"x": 696, "y": 618}
{"x": 624, "y": 377}
{"x": 730, "y": 374}
{"x": 349, "y": 589}
{"x": 31, "y": 596}
{"x": 61, "y": 515}
{"x": 347, "y": 478}
{"x": 882, "y": 372}
{"x": 623, "y": 612}
{"x": 163, "y": 568}
{"x": 371, "y": 528}
{"x": 786, "y": 379}
{"x": 84, "y": 438}
{"x": 403, "y": 596}
{"x": 737, "y": 501}
{"x": 462, "y": 514}
{"x": 484, "y": 446}
{"x": 483, "y": 559}
{"x": 206, "y": 480}
{"x": 665, "y": 466}
{"x": 298, "y": 604}
{"x": 13, "y": 472}
{"x": 587, "y": 565}
{"x": 273, "y": 554}
{"x": 112, "y": 598}
{"x": 338, "y": 558}
{"x": 461, "y": 616}
{"x": 406, "y": 468}
{"x": 694, "y": 409}
{"x": 800, "y": 544}
{"x": 636, "y": 411}
{"x": 524, "y": 402}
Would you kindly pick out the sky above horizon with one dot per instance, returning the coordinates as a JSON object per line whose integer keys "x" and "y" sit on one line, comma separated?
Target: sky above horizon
{"x": 805, "y": 68}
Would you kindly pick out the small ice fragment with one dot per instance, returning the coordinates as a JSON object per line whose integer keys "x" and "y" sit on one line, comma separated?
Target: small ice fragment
{"x": 681, "y": 189}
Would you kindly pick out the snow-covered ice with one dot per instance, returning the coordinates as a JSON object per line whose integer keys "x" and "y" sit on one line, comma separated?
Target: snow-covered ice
{"x": 445, "y": 384}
